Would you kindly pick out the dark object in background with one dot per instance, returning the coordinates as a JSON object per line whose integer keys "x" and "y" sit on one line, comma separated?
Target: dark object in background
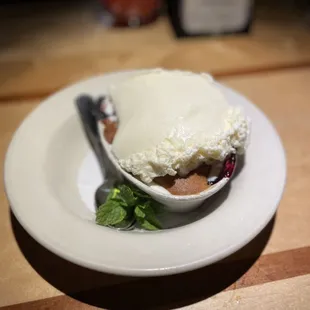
{"x": 130, "y": 13}
{"x": 210, "y": 17}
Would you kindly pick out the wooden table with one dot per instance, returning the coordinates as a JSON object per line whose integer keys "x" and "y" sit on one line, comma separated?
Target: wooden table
{"x": 270, "y": 66}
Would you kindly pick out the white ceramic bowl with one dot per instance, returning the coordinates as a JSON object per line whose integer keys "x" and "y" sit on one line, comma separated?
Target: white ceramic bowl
{"x": 51, "y": 176}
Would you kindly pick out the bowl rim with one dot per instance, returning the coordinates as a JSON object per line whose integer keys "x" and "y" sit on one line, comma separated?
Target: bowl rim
{"x": 196, "y": 252}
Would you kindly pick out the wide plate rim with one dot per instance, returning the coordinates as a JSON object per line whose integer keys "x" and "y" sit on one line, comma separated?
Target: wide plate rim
{"x": 16, "y": 204}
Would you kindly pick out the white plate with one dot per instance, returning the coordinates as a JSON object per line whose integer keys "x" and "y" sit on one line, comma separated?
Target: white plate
{"x": 49, "y": 153}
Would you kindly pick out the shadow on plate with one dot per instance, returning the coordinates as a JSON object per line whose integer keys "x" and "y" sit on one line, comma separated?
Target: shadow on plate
{"x": 117, "y": 292}
{"x": 171, "y": 220}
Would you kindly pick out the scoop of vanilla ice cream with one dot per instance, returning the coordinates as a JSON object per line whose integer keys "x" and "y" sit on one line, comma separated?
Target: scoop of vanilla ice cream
{"x": 172, "y": 121}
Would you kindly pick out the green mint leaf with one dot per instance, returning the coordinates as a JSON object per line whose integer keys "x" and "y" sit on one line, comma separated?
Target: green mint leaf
{"x": 113, "y": 194}
{"x": 125, "y": 223}
{"x": 147, "y": 225}
{"x": 127, "y": 195}
{"x": 139, "y": 213}
{"x": 125, "y": 202}
{"x": 110, "y": 213}
{"x": 138, "y": 192}
{"x": 146, "y": 216}
{"x": 150, "y": 214}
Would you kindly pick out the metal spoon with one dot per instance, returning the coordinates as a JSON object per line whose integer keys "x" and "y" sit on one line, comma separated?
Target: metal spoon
{"x": 85, "y": 106}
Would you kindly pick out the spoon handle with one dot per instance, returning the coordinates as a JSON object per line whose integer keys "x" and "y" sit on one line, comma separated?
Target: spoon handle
{"x": 85, "y": 106}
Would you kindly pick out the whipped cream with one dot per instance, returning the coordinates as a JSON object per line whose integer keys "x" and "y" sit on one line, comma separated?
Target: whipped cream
{"x": 173, "y": 121}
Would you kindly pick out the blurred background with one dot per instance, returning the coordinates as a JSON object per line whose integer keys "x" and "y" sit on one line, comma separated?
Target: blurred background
{"x": 44, "y": 45}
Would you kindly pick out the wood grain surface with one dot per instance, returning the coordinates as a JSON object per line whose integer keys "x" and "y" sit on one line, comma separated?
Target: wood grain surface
{"x": 51, "y": 48}
{"x": 284, "y": 97}
{"x": 71, "y": 44}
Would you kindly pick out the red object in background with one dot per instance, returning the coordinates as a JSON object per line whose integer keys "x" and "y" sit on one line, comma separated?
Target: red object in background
{"x": 132, "y": 12}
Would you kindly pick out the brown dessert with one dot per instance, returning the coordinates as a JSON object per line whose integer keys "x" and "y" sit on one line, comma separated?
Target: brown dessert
{"x": 195, "y": 182}
{"x": 110, "y": 129}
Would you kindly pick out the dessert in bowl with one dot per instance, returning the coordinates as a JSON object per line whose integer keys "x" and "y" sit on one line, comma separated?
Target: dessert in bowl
{"x": 173, "y": 135}
{"x": 55, "y": 205}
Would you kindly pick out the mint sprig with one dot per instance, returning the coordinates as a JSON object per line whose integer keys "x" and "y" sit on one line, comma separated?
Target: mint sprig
{"x": 111, "y": 213}
{"x": 125, "y": 203}
{"x": 146, "y": 217}
{"x": 127, "y": 195}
